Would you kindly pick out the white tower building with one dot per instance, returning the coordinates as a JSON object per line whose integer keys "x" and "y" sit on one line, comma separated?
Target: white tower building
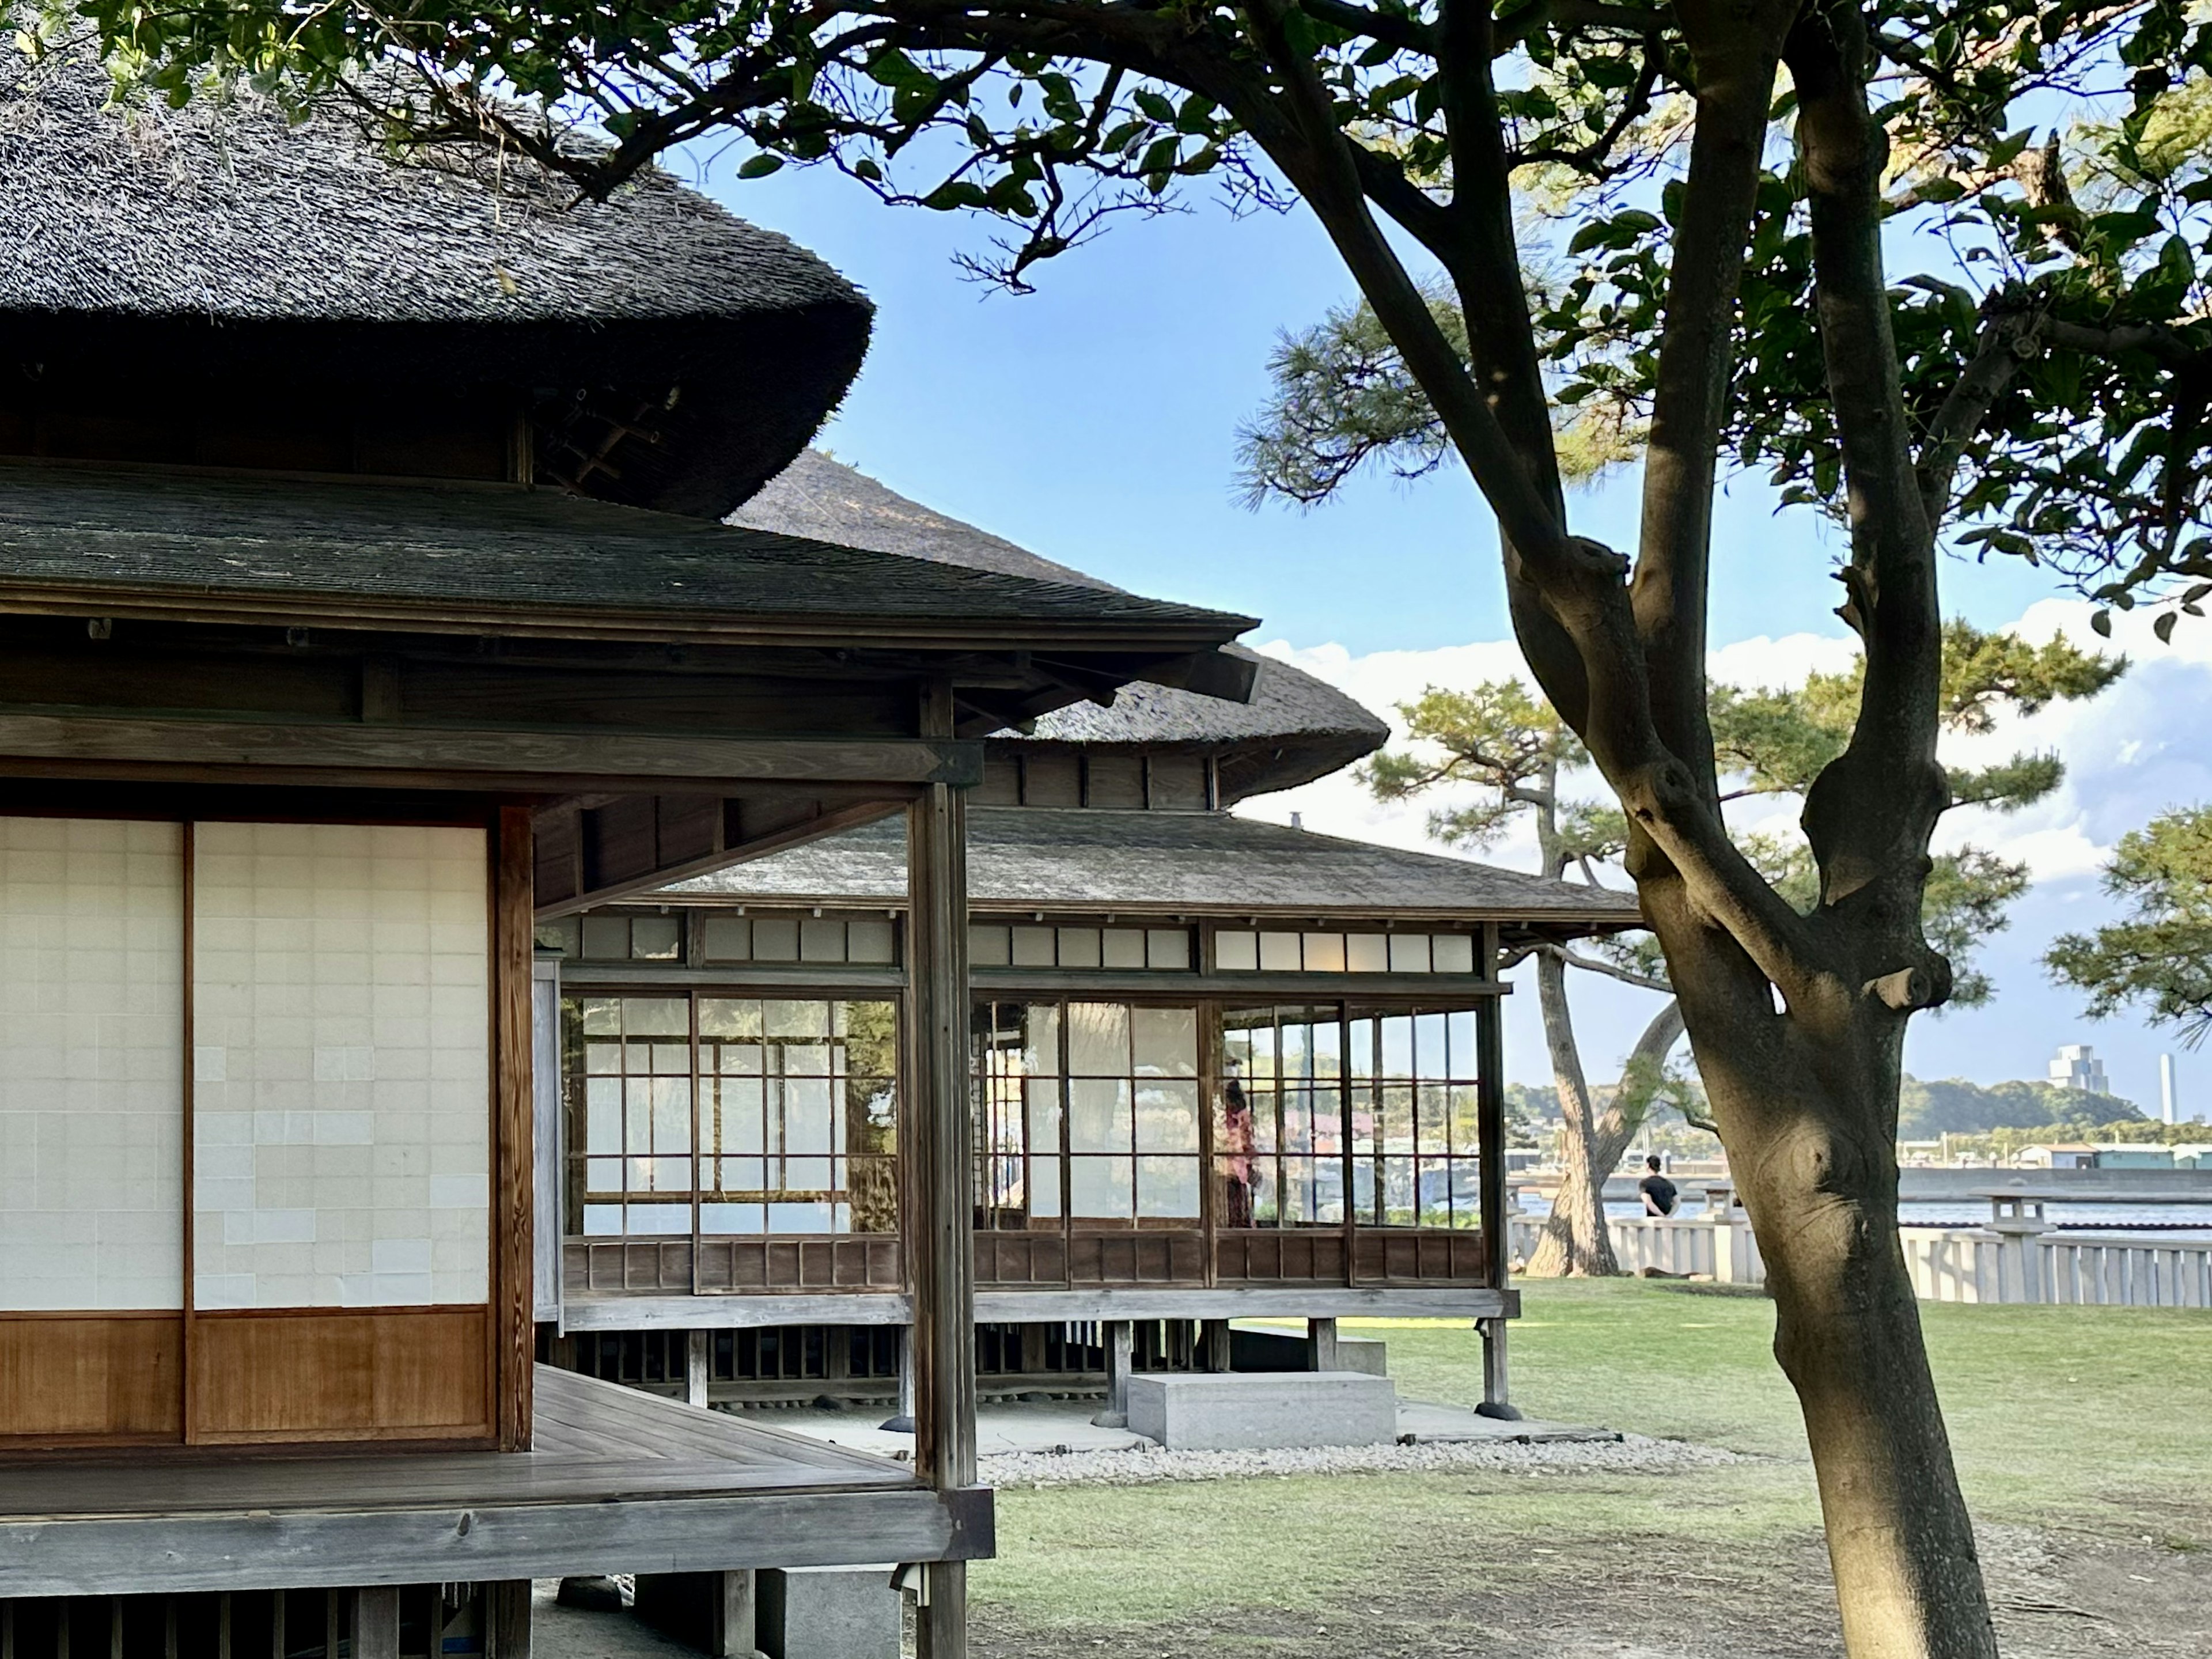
{"x": 2077, "y": 1067}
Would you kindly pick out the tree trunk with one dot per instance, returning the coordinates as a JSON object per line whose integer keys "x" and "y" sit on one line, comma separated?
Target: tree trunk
{"x": 1574, "y": 1242}
{"x": 1591, "y": 1155}
{"x": 1807, "y": 1125}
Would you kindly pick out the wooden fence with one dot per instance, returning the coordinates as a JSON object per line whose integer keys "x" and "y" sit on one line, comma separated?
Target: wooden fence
{"x": 1947, "y": 1264}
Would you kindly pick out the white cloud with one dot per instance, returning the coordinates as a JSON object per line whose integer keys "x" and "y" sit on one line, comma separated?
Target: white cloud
{"x": 2137, "y": 751}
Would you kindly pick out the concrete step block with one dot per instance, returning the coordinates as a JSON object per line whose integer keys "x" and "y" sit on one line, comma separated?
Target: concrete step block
{"x": 1239, "y": 1411}
{"x": 828, "y": 1613}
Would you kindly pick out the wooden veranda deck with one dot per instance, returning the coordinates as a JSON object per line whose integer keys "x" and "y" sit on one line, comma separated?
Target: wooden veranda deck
{"x": 618, "y": 1481}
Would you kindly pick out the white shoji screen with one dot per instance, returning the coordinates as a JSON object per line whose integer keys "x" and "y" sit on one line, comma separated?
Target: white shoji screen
{"x": 91, "y": 1065}
{"x": 341, "y": 1095}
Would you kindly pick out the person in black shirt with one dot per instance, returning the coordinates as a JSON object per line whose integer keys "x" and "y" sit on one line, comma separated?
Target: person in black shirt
{"x": 1659, "y": 1195}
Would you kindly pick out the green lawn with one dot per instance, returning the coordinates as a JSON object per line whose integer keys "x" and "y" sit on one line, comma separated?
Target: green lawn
{"x": 2055, "y": 1412}
{"x": 2095, "y": 1423}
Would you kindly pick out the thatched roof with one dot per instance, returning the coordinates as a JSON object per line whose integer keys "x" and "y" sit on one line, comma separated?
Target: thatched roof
{"x": 219, "y": 240}
{"x": 233, "y": 546}
{"x": 1295, "y": 728}
{"x": 1186, "y": 863}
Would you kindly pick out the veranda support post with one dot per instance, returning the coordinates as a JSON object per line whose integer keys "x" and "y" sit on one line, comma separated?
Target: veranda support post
{"x": 939, "y": 1228}
{"x": 1497, "y": 1243}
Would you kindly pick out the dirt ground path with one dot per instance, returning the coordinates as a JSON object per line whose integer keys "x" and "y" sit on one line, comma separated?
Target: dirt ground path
{"x": 2056, "y": 1596}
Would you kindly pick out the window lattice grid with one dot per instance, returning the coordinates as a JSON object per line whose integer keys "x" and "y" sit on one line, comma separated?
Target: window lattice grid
{"x": 1377, "y": 1114}
{"x": 732, "y": 1115}
{"x": 1415, "y": 1118}
{"x": 1279, "y": 1125}
{"x": 1086, "y": 1109}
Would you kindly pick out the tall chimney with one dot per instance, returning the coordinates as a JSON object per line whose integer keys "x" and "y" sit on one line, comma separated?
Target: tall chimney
{"x": 2167, "y": 1100}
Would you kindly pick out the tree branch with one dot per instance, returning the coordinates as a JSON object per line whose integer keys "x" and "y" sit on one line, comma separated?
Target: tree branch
{"x": 1407, "y": 33}
{"x": 1870, "y": 812}
{"x": 2006, "y": 339}
{"x": 1625, "y": 975}
{"x": 1734, "y": 55}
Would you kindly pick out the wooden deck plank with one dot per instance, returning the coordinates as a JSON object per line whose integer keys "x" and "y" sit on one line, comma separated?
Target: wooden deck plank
{"x": 597, "y": 1443}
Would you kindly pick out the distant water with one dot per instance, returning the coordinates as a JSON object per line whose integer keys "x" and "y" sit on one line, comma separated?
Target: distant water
{"x": 2182, "y": 1221}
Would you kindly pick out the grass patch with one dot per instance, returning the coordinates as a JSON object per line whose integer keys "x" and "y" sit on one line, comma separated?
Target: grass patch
{"x": 2088, "y": 1419}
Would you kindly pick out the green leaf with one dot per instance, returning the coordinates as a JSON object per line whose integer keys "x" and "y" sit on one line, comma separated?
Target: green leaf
{"x": 760, "y": 166}
{"x": 1155, "y": 106}
{"x": 2101, "y": 622}
{"x": 2164, "y": 626}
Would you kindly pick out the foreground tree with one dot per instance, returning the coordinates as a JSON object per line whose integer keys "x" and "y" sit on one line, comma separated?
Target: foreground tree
{"x": 2158, "y": 958}
{"x": 2053, "y": 355}
{"x": 1513, "y": 748}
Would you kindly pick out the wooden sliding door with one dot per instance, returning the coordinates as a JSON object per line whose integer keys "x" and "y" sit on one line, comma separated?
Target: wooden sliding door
{"x": 91, "y": 1130}
{"x": 341, "y": 1133}
{"x": 247, "y": 1133}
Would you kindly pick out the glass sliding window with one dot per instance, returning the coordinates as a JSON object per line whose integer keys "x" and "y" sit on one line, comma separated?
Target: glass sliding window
{"x": 797, "y": 1116}
{"x": 92, "y": 967}
{"x": 341, "y": 1065}
{"x": 1132, "y": 1127}
{"x": 1111, "y": 1089}
{"x": 1415, "y": 1129}
{"x": 1279, "y": 1125}
{"x": 1018, "y": 1104}
{"x": 775, "y": 1115}
{"x": 636, "y": 1140}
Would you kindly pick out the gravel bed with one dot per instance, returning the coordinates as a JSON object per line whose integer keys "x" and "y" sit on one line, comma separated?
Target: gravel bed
{"x": 1628, "y": 1454}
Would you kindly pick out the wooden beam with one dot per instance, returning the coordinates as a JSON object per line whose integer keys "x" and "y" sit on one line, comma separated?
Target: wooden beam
{"x": 614, "y": 1311}
{"x": 514, "y": 1330}
{"x": 826, "y": 821}
{"x": 1109, "y": 1304}
{"x": 481, "y": 1543}
{"x": 940, "y": 1210}
{"x": 534, "y": 761}
{"x": 646, "y": 1312}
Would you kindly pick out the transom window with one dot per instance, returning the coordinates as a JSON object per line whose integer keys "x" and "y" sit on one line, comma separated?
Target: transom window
{"x": 764, "y": 1114}
{"x": 1237, "y": 951}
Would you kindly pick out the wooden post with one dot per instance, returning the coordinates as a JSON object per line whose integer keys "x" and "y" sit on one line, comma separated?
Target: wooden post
{"x": 1321, "y": 1345}
{"x": 940, "y": 1220}
{"x": 1497, "y": 1243}
{"x": 698, "y": 1353}
{"x": 507, "y": 1610}
{"x": 1121, "y": 1345}
{"x": 514, "y": 1345}
{"x": 1497, "y": 1385}
{"x": 376, "y": 1621}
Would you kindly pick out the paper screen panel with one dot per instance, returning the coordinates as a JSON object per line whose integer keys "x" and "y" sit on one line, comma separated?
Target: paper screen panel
{"x": 341, "y": 1067}
{"x": 91, "y": 1065}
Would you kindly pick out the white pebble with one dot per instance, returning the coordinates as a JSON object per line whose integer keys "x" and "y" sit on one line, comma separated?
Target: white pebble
{"x": 1144, "y": 1465}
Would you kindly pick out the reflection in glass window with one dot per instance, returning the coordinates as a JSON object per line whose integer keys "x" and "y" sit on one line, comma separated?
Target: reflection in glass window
{"x": 1279, "y": 1118}
{"x": 775, "y": 1115}
{"x": 1088, "y": 1109}
{"x": 1415, "y": 1125}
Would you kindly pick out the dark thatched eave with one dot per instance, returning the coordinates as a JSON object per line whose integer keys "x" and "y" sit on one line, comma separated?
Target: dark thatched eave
{"x": 1294, "y": 729}
{"x": 214, "y": 248}
{"x": 502, "y": 559}
{"x": 1029, "y": 859}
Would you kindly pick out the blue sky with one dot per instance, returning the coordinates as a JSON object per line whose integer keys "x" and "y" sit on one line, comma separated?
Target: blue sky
{"x": 1095, "y": 421}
